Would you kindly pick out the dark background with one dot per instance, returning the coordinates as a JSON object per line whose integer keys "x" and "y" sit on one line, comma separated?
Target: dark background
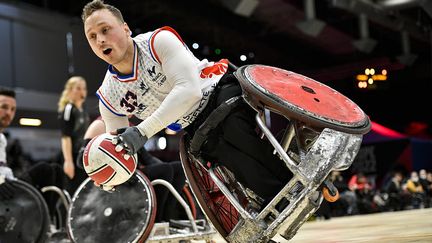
{"x": 271, "y": 34}
{"x": 323, "y": 42}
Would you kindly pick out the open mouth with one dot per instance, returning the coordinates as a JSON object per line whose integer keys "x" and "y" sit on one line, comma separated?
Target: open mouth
{"x": 107, "y": 51}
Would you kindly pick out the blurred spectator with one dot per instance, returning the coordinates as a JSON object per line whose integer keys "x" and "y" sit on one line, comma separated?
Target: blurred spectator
{"x": 429, "y": 179}
{"x": 427, "y": 187}
{"x": 413, "y": 184}
{"x": 397, "y": 197}
{"x": 38, "y": 175}
{"x": 347, "y": 203}
{"x": 423, "y": 180}
{"x": 7, "y": 114}
{"x": 74, "y": 121}
{"x": 17, "y": 160}
{"x": 360, "y": 185}
{"x": 359, "y": 182}
{"x": 416, "y": 189}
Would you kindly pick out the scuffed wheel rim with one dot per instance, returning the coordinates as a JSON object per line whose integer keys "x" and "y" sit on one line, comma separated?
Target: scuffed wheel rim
{"x": 125, "y": 215}
{"x": 301, "y": 98}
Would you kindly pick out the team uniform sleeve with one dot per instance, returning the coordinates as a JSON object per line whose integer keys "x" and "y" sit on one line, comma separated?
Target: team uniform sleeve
{"x": 112, "y": 121}
{"x": 182, "y": 74}
{"x": 67, "y": 120}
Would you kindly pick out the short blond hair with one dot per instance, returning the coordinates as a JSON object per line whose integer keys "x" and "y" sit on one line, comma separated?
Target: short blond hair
{"x": 70, "y": 84}
{"x": 96, "y": 5}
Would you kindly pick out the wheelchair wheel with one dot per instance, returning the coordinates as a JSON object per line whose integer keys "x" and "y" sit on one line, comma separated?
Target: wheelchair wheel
{"x": 125, "y": 215}
{"x": 25, "y": 217}
{"x": 212, "y": 201}
{"x": 300, "y": 98}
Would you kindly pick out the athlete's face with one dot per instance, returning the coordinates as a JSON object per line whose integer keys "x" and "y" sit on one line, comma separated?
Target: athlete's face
{"x": 108, "y": 37}
{"x": 78, "y": 91}
{"x": 7, "y": 111}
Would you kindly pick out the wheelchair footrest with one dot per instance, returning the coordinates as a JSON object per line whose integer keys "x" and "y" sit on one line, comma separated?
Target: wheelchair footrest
{"x": 180, "y": 231}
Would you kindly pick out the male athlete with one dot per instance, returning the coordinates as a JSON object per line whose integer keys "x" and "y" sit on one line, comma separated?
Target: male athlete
{"x": 155, "y": 77}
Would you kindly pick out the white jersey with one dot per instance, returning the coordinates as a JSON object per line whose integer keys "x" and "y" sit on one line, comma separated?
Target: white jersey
{"x": 3, "y": 144}
{"x": 143, "y": 91}
{"x": 5, "y": 171}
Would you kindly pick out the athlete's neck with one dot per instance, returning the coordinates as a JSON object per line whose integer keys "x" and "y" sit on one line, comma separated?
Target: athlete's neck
{"x": 125, "y": 67}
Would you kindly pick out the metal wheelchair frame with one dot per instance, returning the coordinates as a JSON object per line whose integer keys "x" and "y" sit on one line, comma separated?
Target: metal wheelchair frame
{"x": 321, "y": 146}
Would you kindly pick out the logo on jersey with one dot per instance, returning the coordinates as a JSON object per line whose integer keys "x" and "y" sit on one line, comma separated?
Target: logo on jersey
{"x": 151, "y": 71}
{"x": 191, "y": 117}
{"x": 218, "y": 68}
{"x": 159, "y": 78}
{"x": 143, "y": 87}
{"x": 141, "y": 108}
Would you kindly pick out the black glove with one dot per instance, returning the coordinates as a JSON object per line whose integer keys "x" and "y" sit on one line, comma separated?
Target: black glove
{"x": 129, "y": 139}
{"x": 7, "y": 190}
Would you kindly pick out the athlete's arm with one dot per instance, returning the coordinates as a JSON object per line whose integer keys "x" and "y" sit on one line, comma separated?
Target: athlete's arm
{"x": 95, "y": 128}
{"x": 112, "y": 121}
{"x": 182, "y": 74}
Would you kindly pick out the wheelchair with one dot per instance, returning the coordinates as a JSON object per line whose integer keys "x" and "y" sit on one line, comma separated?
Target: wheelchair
{"x": 323, "y": 133}
{"x": 93, "y": 215}
{"x": 128, "y": 214}
{"x": 26, "y": 217}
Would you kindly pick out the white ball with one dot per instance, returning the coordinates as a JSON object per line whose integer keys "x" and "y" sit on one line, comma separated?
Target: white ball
{"x": 104, "y": 165}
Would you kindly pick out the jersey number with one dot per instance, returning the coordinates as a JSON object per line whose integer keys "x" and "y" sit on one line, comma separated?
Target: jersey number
{"x": 129, "y": 101}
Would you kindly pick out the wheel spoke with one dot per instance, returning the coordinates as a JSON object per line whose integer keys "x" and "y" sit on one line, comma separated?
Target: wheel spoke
{"x": 225, "y": 213}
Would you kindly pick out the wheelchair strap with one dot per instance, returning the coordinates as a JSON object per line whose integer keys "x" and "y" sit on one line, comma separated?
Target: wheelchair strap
{"x": 212, "y": 121}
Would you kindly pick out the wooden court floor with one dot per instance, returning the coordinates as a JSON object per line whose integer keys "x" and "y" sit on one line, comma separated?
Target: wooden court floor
{"x": 403, "y": 226}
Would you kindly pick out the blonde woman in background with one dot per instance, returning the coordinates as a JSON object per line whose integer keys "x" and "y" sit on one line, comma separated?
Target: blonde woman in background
{"x": 74, "y": 121}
